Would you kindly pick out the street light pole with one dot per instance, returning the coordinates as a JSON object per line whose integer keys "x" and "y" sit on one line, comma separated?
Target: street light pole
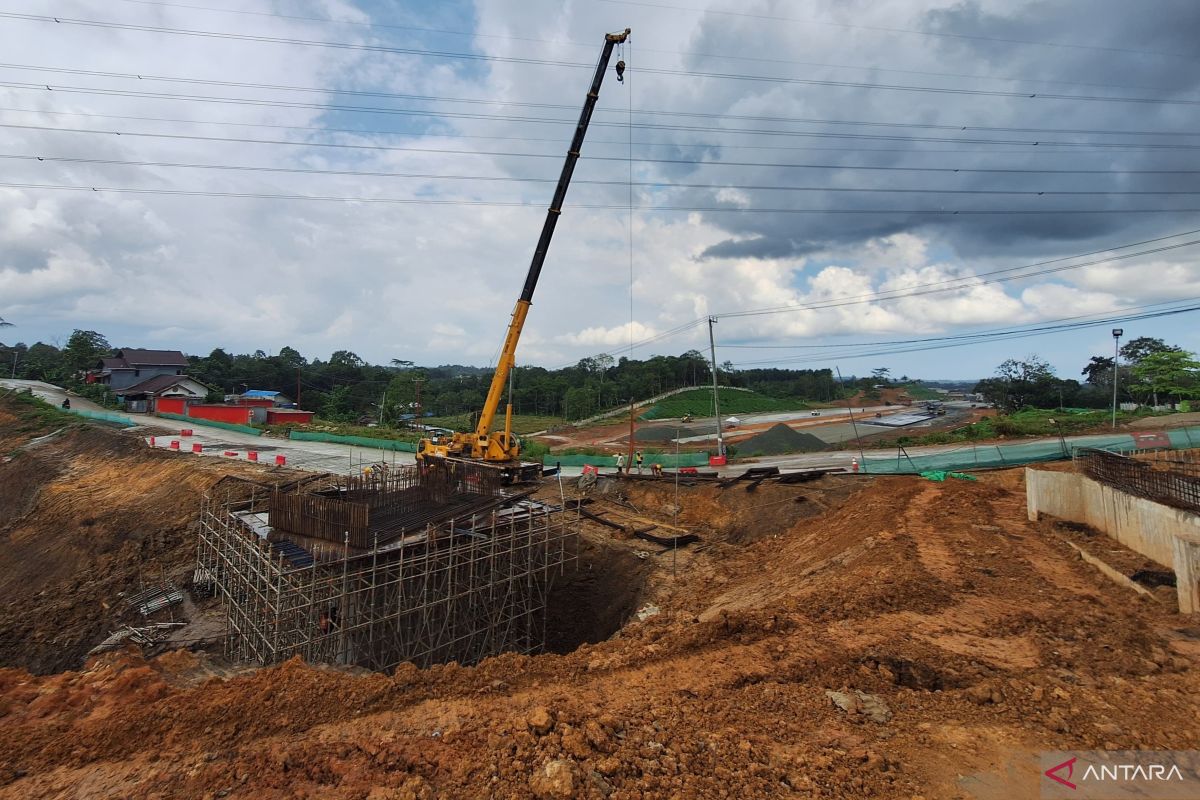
{"x": 712, "y": 344}
{"x": 1116, "y": 332}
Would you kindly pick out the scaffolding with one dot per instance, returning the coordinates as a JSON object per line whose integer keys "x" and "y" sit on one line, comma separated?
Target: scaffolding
{"x": 426, "y": 568}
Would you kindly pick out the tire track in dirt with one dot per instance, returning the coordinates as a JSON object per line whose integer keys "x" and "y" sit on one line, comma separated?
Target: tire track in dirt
{"x": 936, "y": 556}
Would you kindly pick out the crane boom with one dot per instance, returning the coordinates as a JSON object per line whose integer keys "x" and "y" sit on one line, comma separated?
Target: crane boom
{"x": 482, "y": 444}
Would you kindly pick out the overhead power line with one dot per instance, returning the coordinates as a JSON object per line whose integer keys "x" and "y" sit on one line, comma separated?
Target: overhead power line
{"x": 558, "y": 156}
{"x": 691, "y": 53}
{"x": 1048, "y": 324}
{"x": 142, "y": 77}
{"x": 548, "y": 62}
{"x": 442, "y": 114}
{"x": 913, "y": 31}
{"x": 516, "y": 179}
{"x": 968, "y": 281}
{"x": 956, "y": 284}
{"x": 940, "y": 212}
{"x": 969, "y": 340}
{"x": 1047, "y": 151}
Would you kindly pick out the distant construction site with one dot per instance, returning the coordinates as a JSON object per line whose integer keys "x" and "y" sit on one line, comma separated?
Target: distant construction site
{"x": 425, "y": 564}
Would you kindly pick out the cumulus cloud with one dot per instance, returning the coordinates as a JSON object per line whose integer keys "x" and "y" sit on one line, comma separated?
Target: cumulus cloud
{"x": 433, "y": 278}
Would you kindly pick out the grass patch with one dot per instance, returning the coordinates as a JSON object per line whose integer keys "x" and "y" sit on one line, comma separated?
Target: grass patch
{"x": 35, "y": 415}
{"x": 319, "y": 425}
{"x": 522, "y": 423}
{"x": 698, "y": 403}
{"x": 1028, "y": 423}
{"x": 918, "y": 392}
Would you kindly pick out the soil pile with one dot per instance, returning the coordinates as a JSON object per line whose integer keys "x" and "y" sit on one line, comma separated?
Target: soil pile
{"x": 905, "y": 639}
{"x": 779, "y": 440}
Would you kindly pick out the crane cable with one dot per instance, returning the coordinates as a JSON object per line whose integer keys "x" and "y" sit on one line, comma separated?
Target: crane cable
{"x": 629, "y": 154}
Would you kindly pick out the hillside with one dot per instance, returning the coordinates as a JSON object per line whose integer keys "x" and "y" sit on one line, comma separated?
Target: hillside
{"x": 698, "y": 403}
{"x": 851, "y": 637}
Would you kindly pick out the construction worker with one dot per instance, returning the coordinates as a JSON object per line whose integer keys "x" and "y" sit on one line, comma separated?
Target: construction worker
{"x": 656, "y": 470}
{"x": 637, "y": 458}
{"x": 620, "y": 463}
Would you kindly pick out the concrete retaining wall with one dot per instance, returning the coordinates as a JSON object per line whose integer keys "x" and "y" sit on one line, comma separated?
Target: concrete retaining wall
{"x": 1163, "y": 534}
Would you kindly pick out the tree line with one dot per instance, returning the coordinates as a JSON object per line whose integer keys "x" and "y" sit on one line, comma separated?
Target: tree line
{"x": 1150, "y": 372}
{"x": 346, "y": 388}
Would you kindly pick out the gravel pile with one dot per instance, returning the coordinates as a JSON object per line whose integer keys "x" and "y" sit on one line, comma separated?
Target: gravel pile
{"x": 779, "y": 440}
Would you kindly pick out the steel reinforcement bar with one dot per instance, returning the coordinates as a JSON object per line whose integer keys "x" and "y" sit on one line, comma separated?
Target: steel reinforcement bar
{"x": 1141, "y": 478}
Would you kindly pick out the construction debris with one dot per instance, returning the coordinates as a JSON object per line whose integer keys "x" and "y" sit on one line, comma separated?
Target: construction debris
{"x": 145, "y": 636}
{"x": 156, "y": 598}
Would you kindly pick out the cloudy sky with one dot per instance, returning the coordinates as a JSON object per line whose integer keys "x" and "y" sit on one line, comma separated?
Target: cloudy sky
{"x": 373, "y": 176}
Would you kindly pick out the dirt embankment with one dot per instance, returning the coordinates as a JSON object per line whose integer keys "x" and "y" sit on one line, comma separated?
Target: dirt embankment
{"x": 975, "y": 638}
{"x": 86, "y": 515}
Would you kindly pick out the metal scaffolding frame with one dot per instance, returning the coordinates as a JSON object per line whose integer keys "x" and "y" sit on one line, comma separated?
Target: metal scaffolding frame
{"x": 462, "y": 589}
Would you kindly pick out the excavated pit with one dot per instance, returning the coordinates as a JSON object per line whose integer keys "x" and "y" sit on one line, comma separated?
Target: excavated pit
{"x": 593, "y": 602}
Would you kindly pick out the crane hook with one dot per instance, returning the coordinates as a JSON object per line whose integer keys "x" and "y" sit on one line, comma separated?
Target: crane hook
{"x": 620, "y": 68}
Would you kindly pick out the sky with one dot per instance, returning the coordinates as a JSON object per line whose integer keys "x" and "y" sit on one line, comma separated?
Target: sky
{"x": 839, "y": 182}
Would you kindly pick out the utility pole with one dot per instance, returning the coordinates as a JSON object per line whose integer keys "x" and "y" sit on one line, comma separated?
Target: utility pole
{"x": 14, "y": 369}
{"x": 297, "y": 387}
{"x": 712, "y": 345}
{"x": 1116, "y": 356}
{"x": 418, "y": 382}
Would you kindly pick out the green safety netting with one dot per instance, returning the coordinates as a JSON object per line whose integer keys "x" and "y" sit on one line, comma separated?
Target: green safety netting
{"x": 1007, "y": 455}
{"x": 102, "y": 416}
{"x": 359, "y": 441}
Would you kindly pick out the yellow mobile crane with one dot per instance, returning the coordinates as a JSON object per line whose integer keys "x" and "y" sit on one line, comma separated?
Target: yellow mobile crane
{"x": 502, "y": 448}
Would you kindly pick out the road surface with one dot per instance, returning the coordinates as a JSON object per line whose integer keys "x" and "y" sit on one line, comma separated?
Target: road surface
{"x": 54, "y": 395}
{"x": 341, "y": 458}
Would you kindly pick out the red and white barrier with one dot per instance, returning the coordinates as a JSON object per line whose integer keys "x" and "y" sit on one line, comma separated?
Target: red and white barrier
{"x": 152, "y": 441}
{"x": 231, "y": 452}
{"x": 185, "y": 432}
{"x": 197, "y": 447}
{"x": 174, "y": 444}
{"x": 252, "y": 455}
{"x": 280, "y": 460}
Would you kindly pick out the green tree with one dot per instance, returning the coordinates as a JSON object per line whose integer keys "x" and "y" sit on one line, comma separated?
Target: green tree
{"x": 1170, "y": 372}
{"x": 337, "y": 406}
{"x": 83, "y": 350}
{"x": 292, "y": 358}
{"x": 1019, "y": 384}
{"x": 1136, "y": 349}
{"x": 1099, "y": 371}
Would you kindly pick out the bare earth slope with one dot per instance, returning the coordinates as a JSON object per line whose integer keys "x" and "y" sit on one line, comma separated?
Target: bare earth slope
{"x": 86, "y": 514}
{"x": 979, "y": 638}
